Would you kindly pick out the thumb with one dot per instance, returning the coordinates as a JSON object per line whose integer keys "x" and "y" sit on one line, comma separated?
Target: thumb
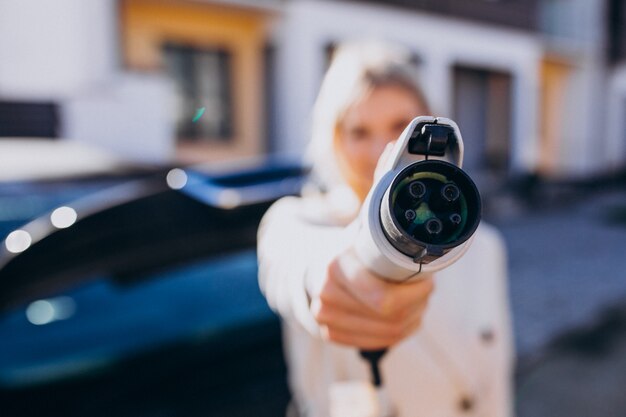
{"x": 363, "y": 285}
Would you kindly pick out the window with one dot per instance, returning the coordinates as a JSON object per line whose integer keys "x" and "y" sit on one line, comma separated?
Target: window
{"x": 25, "y": 119}
{"x": 202, "y": 79}
{"x": 213, "y": 54}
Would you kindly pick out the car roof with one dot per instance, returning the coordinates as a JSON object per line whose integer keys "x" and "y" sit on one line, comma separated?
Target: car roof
{"x": 143, "y": 217}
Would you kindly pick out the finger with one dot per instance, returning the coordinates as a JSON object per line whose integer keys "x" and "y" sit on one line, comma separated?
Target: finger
{"x": 399, "y": 297}
{"x": 366, "y": 341}
{"x": 413, "y": 322}
{"x": 385, "y": 299}
{"x": 347, "y": 322}
{"x": 336, "y": 295}
{"x": 355, "y": 279}
{"x": 355, "y": 340}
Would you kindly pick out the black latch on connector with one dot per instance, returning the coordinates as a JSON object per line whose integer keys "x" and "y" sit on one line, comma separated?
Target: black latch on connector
{"x": 431, "y": 139}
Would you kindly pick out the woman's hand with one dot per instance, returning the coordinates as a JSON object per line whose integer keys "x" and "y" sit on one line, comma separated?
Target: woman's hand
{"x": 355, "y": 307}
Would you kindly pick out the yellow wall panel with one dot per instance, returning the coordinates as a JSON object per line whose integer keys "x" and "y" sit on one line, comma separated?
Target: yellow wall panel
{"x": 147, "y": 24}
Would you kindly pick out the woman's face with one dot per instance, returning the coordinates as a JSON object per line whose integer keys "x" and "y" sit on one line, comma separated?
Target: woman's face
{"x": 367, "y": 127}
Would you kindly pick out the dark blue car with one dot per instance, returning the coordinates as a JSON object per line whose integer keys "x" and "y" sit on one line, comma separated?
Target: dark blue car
{"x": 139, "y": 296}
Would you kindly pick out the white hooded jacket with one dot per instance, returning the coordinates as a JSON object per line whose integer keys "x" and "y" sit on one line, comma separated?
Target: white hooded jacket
{"x": 458, "y": 363}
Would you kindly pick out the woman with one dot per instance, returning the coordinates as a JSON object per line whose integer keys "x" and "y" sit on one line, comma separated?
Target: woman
{"x": 449, "y": 336}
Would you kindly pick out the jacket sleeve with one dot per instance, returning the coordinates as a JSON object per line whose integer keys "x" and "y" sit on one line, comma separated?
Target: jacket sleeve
{"x": 293, "y": 255}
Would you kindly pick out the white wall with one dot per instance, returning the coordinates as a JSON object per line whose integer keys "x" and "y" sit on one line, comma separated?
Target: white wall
{"x": 615, "y": 151}
{"x": 53, "y": 49}
{"x": 592, "y": 136}
{"x": 308, "y": 26}
{"x": 588, "y": 143}
{"x": 67, "y": 51}
{"x": 131, "y": 118}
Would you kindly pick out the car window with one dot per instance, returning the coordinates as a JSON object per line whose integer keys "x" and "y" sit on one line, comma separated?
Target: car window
{"x": 102, "y": 320}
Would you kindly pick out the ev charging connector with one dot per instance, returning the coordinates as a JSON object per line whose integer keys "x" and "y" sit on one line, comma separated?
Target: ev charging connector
{"x": 420, "y": 215}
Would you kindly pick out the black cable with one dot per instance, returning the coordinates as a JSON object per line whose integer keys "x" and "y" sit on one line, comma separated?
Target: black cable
{"x": 373, "y": 357}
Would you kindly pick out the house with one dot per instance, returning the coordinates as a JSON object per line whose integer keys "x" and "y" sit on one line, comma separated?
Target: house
{"x": 537, "y": 86}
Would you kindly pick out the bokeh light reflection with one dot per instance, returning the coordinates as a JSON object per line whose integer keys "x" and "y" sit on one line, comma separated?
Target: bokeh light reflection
{"x": 63, "y": 217}
{"x": 176, "y": 178}
{"x": 18, "y": 241}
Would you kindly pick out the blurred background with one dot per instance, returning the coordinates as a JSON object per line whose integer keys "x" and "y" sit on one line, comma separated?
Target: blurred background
{"x": 128, "y": 272}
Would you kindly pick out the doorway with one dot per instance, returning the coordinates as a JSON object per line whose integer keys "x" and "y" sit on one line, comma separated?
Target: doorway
{"x": 482, "y": 109}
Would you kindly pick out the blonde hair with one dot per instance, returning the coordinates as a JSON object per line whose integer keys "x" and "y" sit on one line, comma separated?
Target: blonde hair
{"x": 356, "y": 69}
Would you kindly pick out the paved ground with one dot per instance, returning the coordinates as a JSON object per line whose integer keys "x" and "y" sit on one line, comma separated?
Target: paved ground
{"x": 568, "y": 294}
{"x": 581, "y": 374}
{"x": 567, "y": 263}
